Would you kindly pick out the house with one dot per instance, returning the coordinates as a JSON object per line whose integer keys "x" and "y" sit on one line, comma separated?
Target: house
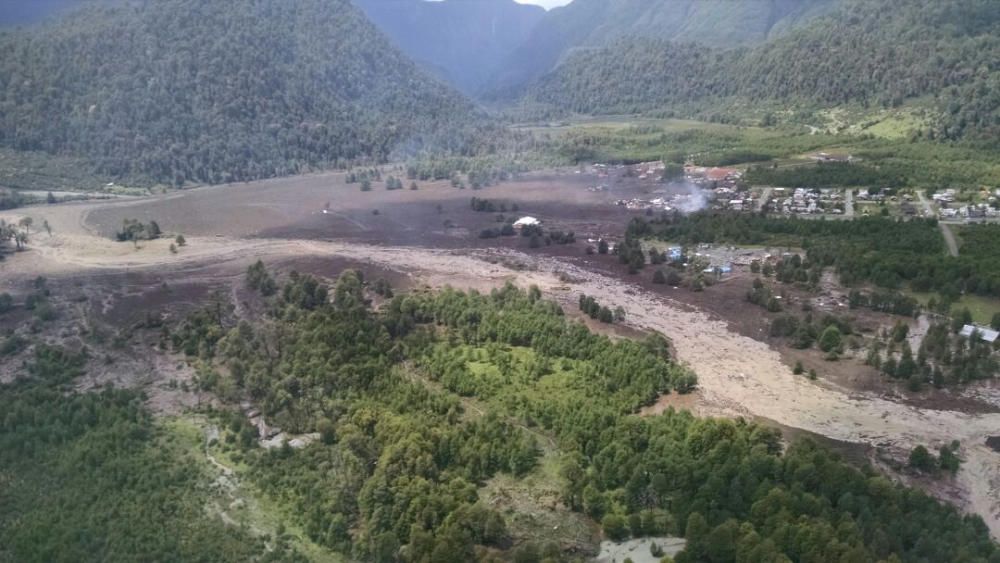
{"x": 827, "y": 157}
{"x": 985, "y": 334}
{"x": 718, "y": 174}
{"x": 946, "y": 196}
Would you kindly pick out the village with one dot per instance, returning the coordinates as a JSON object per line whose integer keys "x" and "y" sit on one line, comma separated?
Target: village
{"x": 726, "y": 189}
{"x": 951, "y": 208}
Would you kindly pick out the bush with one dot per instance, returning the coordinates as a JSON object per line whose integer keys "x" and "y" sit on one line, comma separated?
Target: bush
{"x": 830, "y": 340}
{"x": 614, "y": 527}
{"x": 922, "y": 460}
{"x": 6, "y": 303}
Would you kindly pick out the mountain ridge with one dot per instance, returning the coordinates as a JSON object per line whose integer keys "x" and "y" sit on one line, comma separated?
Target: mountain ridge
{"x": 869, "y": 53}
{"x": 181, "y": 90}
{"x": 596, "y": 23}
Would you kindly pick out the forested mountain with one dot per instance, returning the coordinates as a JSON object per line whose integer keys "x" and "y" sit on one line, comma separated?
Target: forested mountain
{"x": 462, "y": 41}
{"x": 868, "y": 52}
{"x": 182, "y": 90}
{"x": 595, "y": 23}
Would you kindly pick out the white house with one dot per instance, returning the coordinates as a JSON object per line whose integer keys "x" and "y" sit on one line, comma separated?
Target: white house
{"x": 985, "y": 334}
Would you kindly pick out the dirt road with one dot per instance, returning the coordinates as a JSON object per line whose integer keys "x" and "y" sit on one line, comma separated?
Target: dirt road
{"x": 949, "y": 237}
{"x": 765, "y": 196}
{"x": 736, "y": 373}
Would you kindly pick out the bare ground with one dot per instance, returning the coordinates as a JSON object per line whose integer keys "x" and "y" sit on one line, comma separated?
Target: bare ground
{"x": 738, "y": 375}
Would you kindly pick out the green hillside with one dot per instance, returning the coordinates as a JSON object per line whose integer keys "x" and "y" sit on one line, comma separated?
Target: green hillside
{"x": 869, "y": 53}
{"x": 595, "y": 23}
{"x": 182, "y": 90}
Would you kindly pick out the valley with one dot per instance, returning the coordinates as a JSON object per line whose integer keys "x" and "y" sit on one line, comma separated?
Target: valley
{"x": 319, "y": 224}
{"x": 619, "y": 281}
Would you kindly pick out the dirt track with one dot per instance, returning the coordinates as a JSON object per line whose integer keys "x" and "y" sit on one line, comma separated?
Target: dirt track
{"x": 736, "y": 374}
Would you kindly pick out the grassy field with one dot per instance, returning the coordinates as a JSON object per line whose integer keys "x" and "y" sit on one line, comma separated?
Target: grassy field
{"x": 881, "y": 140}
{"x": 25, "y": 170}
{"x": 532, "y": 509}
{"x": 982, "y": 308}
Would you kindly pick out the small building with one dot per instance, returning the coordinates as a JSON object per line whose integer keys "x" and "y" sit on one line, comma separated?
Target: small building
{"x": 719, "y": 174}
{"x": 985, "y": 334}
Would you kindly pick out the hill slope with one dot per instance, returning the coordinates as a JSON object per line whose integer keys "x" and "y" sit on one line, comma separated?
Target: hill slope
{"x": 871, "y": 53}
{"x": 595, "y": 23}
{"x": 181, "y": 90}
{"x": 462, "y": 41}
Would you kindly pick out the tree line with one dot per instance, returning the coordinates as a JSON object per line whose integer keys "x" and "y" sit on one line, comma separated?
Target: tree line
{"x": 892, "y": 254}
{"x": 935, "y": 49}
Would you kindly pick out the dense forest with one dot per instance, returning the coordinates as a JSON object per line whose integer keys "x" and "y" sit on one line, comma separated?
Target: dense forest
{"x": 183, "y": 91}
{"x": 827, "y": 175}
{"x": 871, "y": 53}
{"x": 587, "y": 24}
{"x": 378, "y": 488}
{"x": 889, "y": 253}
{"x": 92, "y": 477}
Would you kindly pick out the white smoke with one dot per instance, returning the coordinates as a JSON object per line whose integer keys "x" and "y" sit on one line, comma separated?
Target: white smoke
{"x": 693, "y": 198}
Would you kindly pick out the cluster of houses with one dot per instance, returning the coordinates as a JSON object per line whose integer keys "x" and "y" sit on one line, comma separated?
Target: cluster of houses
{"x": 807, "y": 201}
{"x": 720, "y": 260}
{"x": 655, "y": 204}
{"x": 949, "y": 209}
{"x": 649, "y": 170}
{"x": 713, "y": 178}
{"x": 865, "y": 194}
{"x": 741, "y": 201}
{"x": 969, "y": 211}
{"x": 945, "y": 196}
{"x": 716, "y": 265}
